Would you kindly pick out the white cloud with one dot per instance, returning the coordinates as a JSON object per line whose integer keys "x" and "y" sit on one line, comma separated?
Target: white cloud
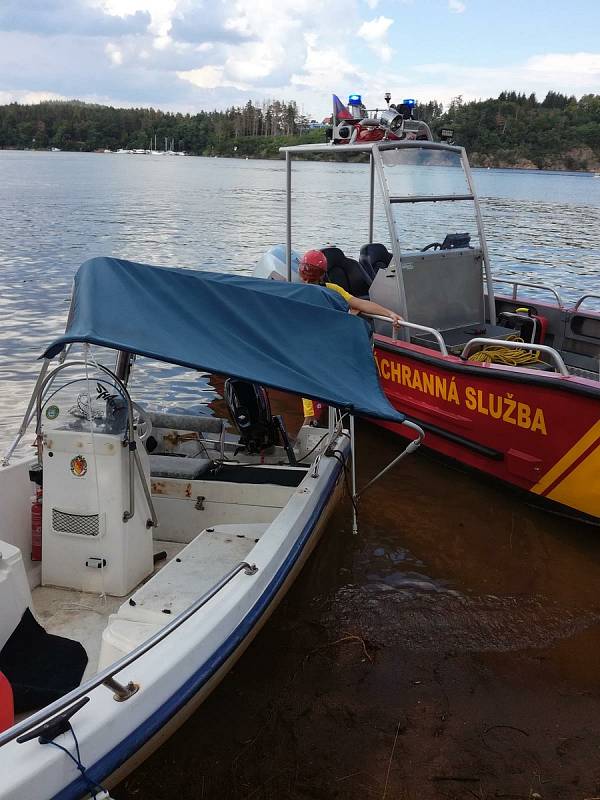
{"x": 115, "y": 55}
{"x": 208, "y": 77}
{"x": 161, "y": 11}
{"x": 192, "y": 54}
{"x": 376, "y": 29}
{"x": 569, "y": 73}
{"x": 579, "y": 67}
{"x": 253, "y": 61}
{"x": 162, "y": 42}
{"x": 314, "y": 77}
{"x": 375, "y": 32}
{"x": 29, "y": 98}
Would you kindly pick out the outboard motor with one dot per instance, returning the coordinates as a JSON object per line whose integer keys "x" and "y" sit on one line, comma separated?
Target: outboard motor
{"x": 250, "y": 409}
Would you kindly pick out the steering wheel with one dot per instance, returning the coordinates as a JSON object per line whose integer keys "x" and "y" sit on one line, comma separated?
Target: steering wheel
{"x": 142, "y": 421}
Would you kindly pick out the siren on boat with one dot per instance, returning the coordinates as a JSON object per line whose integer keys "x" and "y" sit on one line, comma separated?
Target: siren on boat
{"x": 354, "y": 100}
{"x": 407, "y": 108}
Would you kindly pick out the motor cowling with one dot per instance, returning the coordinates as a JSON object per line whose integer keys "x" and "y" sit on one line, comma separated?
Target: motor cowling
{"x": 250, "y": 410}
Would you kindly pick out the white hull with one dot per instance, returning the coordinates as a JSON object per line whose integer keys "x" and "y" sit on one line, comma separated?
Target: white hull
{"x": 178, "y": 673}
{"x": 181, "y": 716}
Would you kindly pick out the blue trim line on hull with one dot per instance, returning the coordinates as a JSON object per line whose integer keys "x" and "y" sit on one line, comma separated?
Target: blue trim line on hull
{"x": 129, "y": 746}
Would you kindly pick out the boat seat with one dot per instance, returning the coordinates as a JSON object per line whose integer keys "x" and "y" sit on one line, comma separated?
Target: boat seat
{"x": 346, "y": 272}
{"x": 187, "y": 422}
{"x": 259, "y": 474}
{"x": 374, "y": 257}
{"x": 187, "y": 469}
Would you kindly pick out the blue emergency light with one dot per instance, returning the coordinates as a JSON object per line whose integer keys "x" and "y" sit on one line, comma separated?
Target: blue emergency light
{"x": 354, "y": 100}
{"x": 410, "y": 102}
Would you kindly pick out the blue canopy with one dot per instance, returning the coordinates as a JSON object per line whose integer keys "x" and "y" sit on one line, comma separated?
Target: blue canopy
{"x": 293, "y": 337}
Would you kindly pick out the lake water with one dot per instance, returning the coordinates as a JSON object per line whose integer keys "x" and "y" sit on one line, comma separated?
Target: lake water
{"x": 456, "y": 638}
{"x": 61, "y": 208}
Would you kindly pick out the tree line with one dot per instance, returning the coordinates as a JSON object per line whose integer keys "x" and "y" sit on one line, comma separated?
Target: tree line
{"x": 74, "y": 125}
{"x": 517, "y": 130}
{"x": 513, "y": 129}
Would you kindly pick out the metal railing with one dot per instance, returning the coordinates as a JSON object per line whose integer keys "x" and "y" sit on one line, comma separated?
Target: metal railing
{"x": 410, "y": 448}
{"x": 107, "y": 676}
{"x": 585, "y": 297}
{"x": 429, "y": 198}
{"x": 515, "y": 285}
{"x": 542, "y": 348}
{"x": 412, "y": 326}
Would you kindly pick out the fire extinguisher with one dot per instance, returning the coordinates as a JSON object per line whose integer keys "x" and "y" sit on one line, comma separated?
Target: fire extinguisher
{"x": 36, "y": 525}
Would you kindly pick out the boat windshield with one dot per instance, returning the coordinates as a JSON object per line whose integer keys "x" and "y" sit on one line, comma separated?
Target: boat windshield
{"x": 90, "y": 404}
{"x": 424, "y": 187}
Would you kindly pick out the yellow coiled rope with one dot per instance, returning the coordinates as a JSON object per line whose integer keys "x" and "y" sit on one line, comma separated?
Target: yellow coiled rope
{"x": 512, "y": 357}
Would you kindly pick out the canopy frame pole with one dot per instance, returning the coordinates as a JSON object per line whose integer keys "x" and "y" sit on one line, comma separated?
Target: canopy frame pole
{"x": 395, "y": 241}
{"x": 331, "y": 422}
{"x": 371, "y": 195}
{"x": 288, "y": 211}
{"x": 482, "y": 240}
{"x": 28, "y": 416}
{"x": 353, "y": 462}
{"x": 123, "y": 365}
{"x": 410, "y": 448}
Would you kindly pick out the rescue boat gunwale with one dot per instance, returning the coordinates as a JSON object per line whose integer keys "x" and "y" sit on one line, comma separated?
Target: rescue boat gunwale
{"x": 572, "y": 383}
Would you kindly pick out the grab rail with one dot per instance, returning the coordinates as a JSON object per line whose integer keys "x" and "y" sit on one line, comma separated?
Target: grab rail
{"x": 543, "y": 348}
{"x": 585, "y": 297}
{"x": 516, "y": 284}
{"x": 429, "y": 198}
{"x": 412, "y": 326}
{"x": 106, "y": 676}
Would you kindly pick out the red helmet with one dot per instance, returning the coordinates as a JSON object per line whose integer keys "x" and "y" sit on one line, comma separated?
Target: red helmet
{"x": 313, "y": 266}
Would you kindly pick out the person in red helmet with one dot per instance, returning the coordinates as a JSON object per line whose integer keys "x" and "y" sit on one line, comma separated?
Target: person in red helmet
{"x": 313, "y": 269}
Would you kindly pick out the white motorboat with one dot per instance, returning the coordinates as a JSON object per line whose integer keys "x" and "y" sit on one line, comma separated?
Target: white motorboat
{"x": 164, "y": 541}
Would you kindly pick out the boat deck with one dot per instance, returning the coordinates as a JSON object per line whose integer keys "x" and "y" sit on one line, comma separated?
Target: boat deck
{"x": 82, "y": 615}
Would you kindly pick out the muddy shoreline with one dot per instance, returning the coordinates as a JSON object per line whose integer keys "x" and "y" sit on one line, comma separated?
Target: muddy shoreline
{"x": 450, "y": 650}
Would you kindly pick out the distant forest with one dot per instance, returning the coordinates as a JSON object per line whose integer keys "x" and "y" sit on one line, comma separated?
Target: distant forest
{"x": 512, "y": 130}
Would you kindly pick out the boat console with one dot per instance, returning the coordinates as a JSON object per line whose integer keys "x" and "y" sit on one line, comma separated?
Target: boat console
{"x": 91, "y": 541}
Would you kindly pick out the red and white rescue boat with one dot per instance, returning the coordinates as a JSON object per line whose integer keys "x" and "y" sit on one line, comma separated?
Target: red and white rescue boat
{"x": 503, "y": 379}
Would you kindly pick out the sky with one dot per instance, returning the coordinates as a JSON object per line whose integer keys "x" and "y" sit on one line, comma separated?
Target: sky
{"x": 190, "y": 55}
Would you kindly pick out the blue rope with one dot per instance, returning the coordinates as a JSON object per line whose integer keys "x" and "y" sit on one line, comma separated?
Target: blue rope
{"x": 94, "y": 786}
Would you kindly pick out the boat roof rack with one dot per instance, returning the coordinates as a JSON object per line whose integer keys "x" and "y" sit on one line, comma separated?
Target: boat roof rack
{"x": 367, "y": 147}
